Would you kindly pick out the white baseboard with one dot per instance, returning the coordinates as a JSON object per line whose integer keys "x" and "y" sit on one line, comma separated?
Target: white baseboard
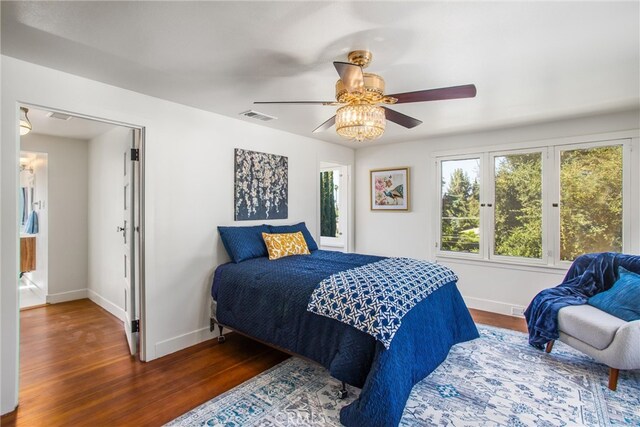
{"x": 171, "y": 345}
{"x": 106, "y": 304}
{"x": 491, "y": 306}
{"x": 183, "y": 341}
{"x": 66, "y": 296}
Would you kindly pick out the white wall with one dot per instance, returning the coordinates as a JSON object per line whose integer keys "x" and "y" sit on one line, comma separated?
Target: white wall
{"x": 67, "y": 214}
{"x": 105, "y": 214}
{"x": 484, "y": 285}
{"x": 189, "y": 191}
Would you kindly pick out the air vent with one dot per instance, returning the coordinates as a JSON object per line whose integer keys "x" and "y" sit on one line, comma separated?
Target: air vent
{"x": 59, "y": 116}
{"x": 258, "y": 116}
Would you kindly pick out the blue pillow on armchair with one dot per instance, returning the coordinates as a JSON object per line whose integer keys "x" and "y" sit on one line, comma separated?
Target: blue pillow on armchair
{"x": 622, "y": 300}
{"x": 244, "y": 243}
{"x": 302, "y": 227}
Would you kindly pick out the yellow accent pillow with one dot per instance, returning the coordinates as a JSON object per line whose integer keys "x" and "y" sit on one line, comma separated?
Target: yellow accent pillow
{"x": 285, "y": 244}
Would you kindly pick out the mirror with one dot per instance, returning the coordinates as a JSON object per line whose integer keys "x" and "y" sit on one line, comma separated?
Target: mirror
{"x": 26, "y": 198}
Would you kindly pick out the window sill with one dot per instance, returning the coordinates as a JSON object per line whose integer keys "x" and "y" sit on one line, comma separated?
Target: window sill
{"x": 510, "y": 265}
{"x": 331, "y": 244}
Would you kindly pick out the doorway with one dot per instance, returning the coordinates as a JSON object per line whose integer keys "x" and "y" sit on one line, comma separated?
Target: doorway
{"x": 334, "y": 206}
{"x": 33, "y": 222}
{"x": 81, "y": 215}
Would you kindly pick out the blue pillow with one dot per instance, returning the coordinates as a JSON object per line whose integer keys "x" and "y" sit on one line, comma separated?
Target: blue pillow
{"x": 244, "y": 243}
{"x": 622, "y": 299}
{"x": 311, "y": 244}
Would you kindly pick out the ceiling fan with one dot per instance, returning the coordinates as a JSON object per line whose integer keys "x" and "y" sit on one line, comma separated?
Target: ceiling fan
{"x": 360, "y": 95}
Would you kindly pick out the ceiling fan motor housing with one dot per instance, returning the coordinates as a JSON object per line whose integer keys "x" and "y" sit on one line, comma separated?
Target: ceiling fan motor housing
{"x": 372, "y": 93}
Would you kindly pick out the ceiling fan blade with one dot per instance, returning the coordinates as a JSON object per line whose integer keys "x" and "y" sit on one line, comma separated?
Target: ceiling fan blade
{"x": 351, "y": 76}
{"x": 333, "y": 103}
{"x": 326, "y": 125}
{"x": 453, "y": 92}
{"x": 401, "y": 119}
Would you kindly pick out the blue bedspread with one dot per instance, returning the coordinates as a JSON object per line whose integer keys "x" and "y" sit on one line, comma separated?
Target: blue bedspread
{"x": 588, "y": 275}
{"x": 268, "y": 301}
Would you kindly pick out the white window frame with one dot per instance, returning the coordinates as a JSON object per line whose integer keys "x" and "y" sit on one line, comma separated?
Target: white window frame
{"x": 630, "y": 140}
{"x": 626, "y": 192}
{"x": 491, "y": 191}
{"x": 343, "y": 203}
{"x": 481, "y": 251}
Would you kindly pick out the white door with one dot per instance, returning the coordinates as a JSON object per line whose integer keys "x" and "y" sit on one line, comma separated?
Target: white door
{"x": 129, "y": 255}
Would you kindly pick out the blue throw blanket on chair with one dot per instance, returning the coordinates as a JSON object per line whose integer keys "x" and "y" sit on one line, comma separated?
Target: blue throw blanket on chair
{"x": 588, "y": 275}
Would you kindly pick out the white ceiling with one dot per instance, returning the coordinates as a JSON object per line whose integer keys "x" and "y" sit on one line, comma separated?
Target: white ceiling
{"x": 75, "y": 127}
{"x": 531, "y": 61}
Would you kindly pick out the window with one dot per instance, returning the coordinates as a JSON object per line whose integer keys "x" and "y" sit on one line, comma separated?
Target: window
{"x": 460, "y": 207}
{"x": 517, "y": 209}
{"x": 333, "y": 206}
{"x": 538, "y": 206}
{"x": 329, "y": 209}
{"x": 590, "y": 200}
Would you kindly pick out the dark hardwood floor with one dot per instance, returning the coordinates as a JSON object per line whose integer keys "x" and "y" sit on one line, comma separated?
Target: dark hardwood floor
{"x": 76, "y": 370}
{"x": 499, "y": 320}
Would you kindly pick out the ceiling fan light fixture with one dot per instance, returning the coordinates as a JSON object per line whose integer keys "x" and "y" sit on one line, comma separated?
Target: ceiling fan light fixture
{"x": 360, "y": 122}
{"x": 362, "y": 117}
{"x": 25, "y": 124}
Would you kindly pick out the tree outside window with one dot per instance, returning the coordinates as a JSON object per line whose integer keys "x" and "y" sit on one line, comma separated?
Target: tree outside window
{"x": 329, "y": 198}
{"x": 588, "y": 213}
{"x": 518, "y": 205}
{"x": 460, "y": 224}
{"x": 590, "y": 201}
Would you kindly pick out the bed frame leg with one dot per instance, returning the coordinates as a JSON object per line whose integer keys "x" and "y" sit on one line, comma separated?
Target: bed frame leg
{"x": 221, "y": 338}
{"x": 343, "y": 393}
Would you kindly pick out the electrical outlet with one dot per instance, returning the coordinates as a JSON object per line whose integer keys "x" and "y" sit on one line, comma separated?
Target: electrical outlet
{"x": 517, "y": 311}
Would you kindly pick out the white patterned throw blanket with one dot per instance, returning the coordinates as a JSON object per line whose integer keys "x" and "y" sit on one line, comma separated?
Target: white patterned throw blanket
{"x": 375, "y": 297}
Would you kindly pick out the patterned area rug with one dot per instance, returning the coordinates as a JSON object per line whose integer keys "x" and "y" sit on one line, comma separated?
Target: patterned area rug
{"x": 496, "y": 380}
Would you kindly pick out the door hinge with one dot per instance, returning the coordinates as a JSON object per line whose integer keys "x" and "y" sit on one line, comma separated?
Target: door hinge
{"x": 135, "y": 154}
{"x": 135, "y": 326}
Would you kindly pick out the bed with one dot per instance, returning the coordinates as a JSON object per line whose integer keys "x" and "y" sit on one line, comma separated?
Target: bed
{"x": 269, "y": 300}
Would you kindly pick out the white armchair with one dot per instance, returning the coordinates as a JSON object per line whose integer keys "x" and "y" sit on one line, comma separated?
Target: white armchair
{"x": 606, "y": 338}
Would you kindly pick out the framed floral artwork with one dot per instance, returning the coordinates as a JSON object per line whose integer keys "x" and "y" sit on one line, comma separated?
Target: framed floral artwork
{"x": 261, "y": 186}
{"x": 390, "y": 189}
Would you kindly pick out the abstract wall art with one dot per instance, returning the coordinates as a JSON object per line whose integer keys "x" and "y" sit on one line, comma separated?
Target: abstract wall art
{"x": 261, "y": 186}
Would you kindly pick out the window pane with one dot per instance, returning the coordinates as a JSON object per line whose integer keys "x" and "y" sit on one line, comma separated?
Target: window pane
{"x": 329, "y": 198}
{"x": 518, "y": 205}
{"x": 591, "y": 201}
{"x": 460, "y": 215}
